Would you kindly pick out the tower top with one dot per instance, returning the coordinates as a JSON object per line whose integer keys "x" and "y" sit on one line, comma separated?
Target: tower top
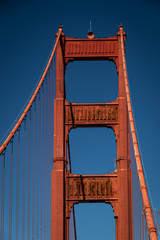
{"x": 61, "y": 27}
{"x": 121, "y": 26}
{"x": 121, "y": 31}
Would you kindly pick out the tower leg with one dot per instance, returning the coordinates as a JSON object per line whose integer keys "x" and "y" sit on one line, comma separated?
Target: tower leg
{"x": 58, "y": 174}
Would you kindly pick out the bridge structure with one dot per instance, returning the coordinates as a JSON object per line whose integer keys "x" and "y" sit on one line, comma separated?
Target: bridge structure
{"x": 38, "y": 188}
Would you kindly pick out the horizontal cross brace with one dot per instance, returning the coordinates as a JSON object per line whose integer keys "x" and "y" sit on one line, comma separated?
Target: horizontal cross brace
{"x": 86, "y": 188}
{"x": 93, "y": 49}
{"x": 83, "y": 115}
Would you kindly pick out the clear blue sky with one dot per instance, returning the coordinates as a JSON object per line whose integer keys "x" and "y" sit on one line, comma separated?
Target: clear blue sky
{"x": 27, "y": 30}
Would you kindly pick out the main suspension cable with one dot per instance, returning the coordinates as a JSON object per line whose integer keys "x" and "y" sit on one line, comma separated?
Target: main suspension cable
{"x": 19, "y": 122}
{"x": 152, "y": 232}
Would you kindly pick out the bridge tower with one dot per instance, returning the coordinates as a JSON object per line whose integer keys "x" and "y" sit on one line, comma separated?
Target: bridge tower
{"x": 69, "y": 189}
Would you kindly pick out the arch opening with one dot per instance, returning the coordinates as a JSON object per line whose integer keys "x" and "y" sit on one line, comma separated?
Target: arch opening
{"x": 94, "y": 221}
{"x": 92, "y": 151}
{"x": 91, "y": 82}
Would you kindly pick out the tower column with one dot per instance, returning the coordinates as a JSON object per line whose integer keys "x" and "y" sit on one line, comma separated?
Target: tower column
{"x": 123, "y": 162}
{"x": 58, "y": 173}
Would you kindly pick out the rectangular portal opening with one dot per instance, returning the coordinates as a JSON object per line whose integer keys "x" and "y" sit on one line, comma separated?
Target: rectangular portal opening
{"x": 92, "y": 151}
{"x": 91, "y": 82}
{"x": 93, "y": 221}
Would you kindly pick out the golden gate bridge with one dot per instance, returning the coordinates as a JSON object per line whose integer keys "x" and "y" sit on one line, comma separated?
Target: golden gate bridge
{"x": 36, "y": 201}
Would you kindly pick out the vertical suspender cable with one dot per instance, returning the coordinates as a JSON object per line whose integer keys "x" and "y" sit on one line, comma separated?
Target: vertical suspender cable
{"x": 1, "y": 192}
{"x": 50, "y": 142}
{"x": 1, "y": 186}
{"x": 69, "y": 166}
{"x": 10, "y": 189}
{"x": 33, "y": 172}
{"x": 2, "y": 196}
{"x": 50, "y": 145}
{"x": 48, "y": 149}
{"x": 29, "y": 175}
{"x": 41, "y": 167}
{"x": 38, "y": 168}
{"x": 23, "y": 180}
{"x": 17, "y": 185}
{"x": 147, "y": 208}
{"x": 45, "y": 155}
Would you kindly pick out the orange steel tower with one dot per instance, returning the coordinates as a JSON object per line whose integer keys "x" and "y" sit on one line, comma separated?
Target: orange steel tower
{"x": 116, "y": 188}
